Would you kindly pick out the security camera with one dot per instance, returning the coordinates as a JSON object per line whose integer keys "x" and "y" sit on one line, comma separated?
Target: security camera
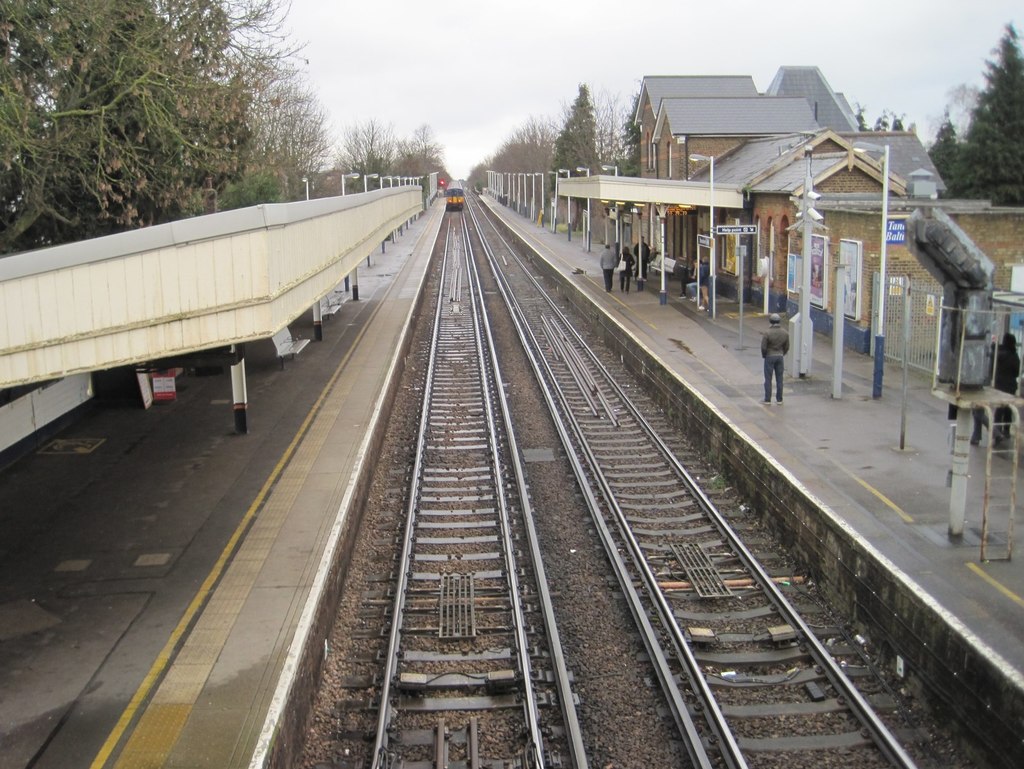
{"x": 814, "y": 215}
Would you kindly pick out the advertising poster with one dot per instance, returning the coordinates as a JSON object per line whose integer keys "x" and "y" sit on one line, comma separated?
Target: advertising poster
{"x": 850, "y": 256}
{"x": 793, "y": 273}
{"x": 819, "y": 270}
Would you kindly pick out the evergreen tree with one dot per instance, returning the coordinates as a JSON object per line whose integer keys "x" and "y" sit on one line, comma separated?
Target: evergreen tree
{"x": 945, "y": 154}
{"x": 576, "y": 145}
{"x": 992, "y": 153}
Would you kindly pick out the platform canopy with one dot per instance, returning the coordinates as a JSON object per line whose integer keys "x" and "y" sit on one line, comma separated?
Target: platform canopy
{"x": 633, "y": 189}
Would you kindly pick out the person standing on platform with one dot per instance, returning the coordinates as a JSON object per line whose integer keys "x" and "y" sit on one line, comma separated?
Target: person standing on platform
{"x": 608, "y": 262}
{"x": 703, "y": 278}
{"x": 626, "y": 272}
{"x": 774, "y": 346}
{"x": 642, "y": 254}
{"x": 1007, "y": 371}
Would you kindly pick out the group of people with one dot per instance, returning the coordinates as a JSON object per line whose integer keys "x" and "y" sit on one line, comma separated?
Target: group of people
{"x": 774, "y": 343}
{"x": 631, "y": 264}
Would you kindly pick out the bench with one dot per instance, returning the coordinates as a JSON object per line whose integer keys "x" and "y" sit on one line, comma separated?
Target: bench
{"x": 286, "y": 344}
{"x": 331, "y": 303}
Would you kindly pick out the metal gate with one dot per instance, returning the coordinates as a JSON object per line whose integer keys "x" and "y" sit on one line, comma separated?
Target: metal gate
{"x": 911, "y": 329}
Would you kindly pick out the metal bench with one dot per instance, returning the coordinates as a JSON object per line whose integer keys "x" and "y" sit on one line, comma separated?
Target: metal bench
{"x": 286, "y": 344}
{"x": 331, "y": 303}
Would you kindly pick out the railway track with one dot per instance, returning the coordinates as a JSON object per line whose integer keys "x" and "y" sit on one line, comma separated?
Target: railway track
{"x": 749, "y": 679}
{"x": 450, "y": 656}
{"x": 473, "y": 671}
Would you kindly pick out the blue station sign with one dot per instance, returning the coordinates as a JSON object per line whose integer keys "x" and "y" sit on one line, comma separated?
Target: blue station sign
{"x": 896, "y": 232}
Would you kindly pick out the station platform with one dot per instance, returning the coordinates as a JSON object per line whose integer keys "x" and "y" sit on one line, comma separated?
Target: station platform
{"x": 154, "y": 566}
{"x": 845, "y": 451}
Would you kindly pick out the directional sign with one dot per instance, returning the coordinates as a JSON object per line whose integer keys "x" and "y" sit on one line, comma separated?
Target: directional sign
{"x": 704, "y": 240}
{"x": 736, "y": 229}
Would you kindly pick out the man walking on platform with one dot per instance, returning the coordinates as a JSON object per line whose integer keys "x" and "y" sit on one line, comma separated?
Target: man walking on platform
{"x": 774, "y": 346}
{"x": 609, "y": 260}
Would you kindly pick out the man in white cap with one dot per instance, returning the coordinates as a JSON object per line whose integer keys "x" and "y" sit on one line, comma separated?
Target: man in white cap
{"x": 774, "y": 346}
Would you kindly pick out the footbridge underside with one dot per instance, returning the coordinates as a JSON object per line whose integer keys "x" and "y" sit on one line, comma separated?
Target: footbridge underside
{"x": 184, "y": 287}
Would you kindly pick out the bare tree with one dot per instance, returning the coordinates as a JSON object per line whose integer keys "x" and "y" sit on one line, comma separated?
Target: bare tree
{"x": 290, "y": 135}
{"x": 420, "y": 155}
{"x": 611, "y": 113}
{"x": 369, "y": 147}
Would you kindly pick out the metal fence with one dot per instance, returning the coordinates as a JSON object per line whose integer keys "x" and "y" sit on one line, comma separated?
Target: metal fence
{"x": 911, "y": 328}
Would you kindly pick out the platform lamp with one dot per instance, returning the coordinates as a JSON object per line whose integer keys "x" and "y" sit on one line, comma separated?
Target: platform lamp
{"x": 366, "y": 180}
{"x": 583, "y": 169}
{"x": 711, "y": 233}
{"x": 554, "y": 218}
{"x": 353, "y": 175}
{"x": 611, "y": 168}
{"x": 883, "y": 289}
{"x": 305, "y": 180}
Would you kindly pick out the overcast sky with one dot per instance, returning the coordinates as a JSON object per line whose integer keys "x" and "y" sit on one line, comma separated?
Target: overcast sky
{"x": 475, "y": 71}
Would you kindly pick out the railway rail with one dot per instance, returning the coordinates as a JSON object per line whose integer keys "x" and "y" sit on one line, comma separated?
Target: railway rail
{"x": 749, "y": 680}
{"x": 468, "y": 669}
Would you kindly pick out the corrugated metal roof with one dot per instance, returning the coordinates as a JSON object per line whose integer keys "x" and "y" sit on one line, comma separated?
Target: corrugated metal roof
{"x": 660, "y": 87}
{"x": 831, "y": 110}
{"x": 752, "y": 116}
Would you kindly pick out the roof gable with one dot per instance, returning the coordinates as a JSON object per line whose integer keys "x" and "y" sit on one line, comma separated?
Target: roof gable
{"x": 830, "y": 109}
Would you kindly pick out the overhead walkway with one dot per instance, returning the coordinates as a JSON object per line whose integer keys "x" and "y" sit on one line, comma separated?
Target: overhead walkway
{"x": 192, "y": 285}
{"x": 210, "y": 282}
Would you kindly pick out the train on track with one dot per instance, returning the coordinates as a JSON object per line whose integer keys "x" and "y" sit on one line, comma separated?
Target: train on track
{"x": 455, "y": 199}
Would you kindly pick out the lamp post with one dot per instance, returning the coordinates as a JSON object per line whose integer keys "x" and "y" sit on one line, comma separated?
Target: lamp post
{"x": 582, "y": 169}
{"x": 344, "y": 177}
{"x": 366, "y": 180}
{"x": 305, "y": 180}
{"x": 554, "y": 203}
{"x": 883, "y": 288}
{"x": 532, "y": 197}
{"x": 662, "y": 215}
{"x": 711, "y": 234}
{"x": 614, "y": 169}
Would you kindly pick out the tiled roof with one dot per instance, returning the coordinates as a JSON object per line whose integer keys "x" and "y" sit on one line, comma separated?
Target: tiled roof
{"x": 660, "y": 87}
{"x": 906, "y": 153}
{"x": 751, "y": 116}
{"x": 830, "y": 109}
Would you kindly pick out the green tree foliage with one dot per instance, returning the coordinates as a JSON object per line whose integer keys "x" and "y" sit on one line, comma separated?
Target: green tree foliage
{"x": 945, "y": 154}
{"x": 251, "y": 190}
{"x": 113, "y": 114}
{"x": 630, "y": 165}
{"x": 576, "y": 144}
{"x": 992, "y": 154}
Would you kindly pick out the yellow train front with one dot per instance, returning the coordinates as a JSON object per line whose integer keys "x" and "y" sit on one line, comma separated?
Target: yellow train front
{"x": 454, "y": 200}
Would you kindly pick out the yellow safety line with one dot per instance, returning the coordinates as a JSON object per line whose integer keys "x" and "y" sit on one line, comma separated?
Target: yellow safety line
{"x": 996, "y": 584}
{"x": 889, "y": 503}
{"x": 165, "y": 655}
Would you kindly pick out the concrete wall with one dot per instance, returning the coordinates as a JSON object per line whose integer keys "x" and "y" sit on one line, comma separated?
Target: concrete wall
{"x": 957, "y": 678}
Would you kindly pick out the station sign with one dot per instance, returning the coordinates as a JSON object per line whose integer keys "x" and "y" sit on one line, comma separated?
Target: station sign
{"x": 896, "y": 231}
{"x": 736, "y": 229}
{"x": 704, "y": 240}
